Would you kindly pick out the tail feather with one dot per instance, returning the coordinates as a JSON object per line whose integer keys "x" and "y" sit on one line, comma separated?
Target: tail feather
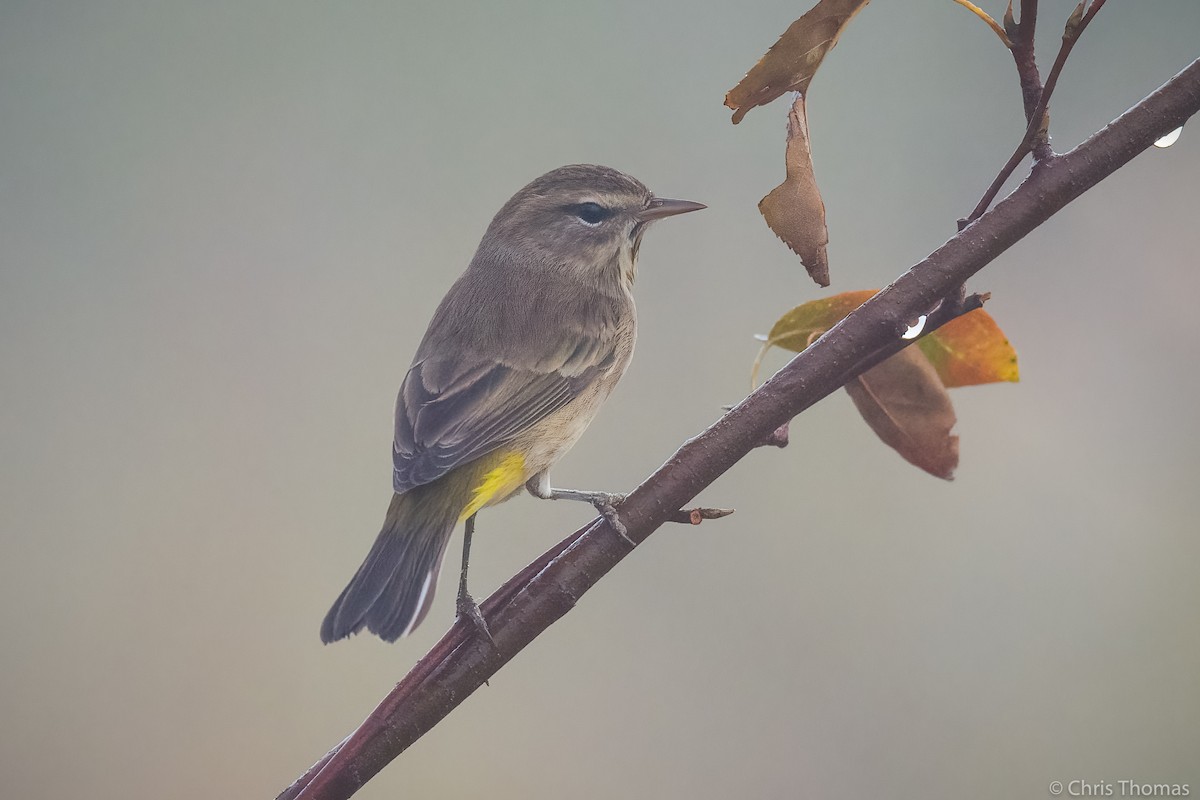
{"x": 393, "y": 589}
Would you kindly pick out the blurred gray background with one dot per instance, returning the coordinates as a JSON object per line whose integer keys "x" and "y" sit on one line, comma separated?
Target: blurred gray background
{"x": 223, "y": 227}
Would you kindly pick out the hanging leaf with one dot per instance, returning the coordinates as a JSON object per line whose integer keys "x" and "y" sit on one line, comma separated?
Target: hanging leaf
{"x": 794, "y": 209}
{"x": 905, "y": 403}
{"x": 793, "y": 60}
{"x": 971, "y": 350}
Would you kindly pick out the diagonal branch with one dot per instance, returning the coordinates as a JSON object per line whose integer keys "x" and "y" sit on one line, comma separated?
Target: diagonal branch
{"x": 547, "y": 589}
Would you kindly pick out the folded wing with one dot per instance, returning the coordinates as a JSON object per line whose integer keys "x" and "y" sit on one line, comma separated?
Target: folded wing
{"x": 456, "y": 407}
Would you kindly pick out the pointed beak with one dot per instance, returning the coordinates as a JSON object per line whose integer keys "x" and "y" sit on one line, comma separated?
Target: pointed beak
{"x": 661, "y": 207}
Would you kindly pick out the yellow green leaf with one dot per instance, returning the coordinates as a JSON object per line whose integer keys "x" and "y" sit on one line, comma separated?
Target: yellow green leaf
{"x": 793, "y": 60}
{"x": 795, "y": 329}
{"x": 801, "y": 326}
{"x": 971, "y": 350}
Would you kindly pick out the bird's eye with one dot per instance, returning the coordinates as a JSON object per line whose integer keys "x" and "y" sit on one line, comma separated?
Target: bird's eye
{"x": 592, "y": 213}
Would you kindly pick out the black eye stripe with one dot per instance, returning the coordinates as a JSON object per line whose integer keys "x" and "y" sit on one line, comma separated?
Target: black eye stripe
{"x": 591, "y": 213}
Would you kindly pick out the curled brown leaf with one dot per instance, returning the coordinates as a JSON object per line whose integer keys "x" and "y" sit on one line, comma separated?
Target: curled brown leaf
{"x": 794, "y": 209}
{"x": 905, "y": 403}
{"x": 793, "y": 60}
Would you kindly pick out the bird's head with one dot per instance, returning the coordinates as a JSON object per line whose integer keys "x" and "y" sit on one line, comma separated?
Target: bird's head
{"x": 583, "y": 220}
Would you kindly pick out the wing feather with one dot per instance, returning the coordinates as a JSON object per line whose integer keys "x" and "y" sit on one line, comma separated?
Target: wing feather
{"x": 514, "y": 340}
{"x": 452, "y": 409}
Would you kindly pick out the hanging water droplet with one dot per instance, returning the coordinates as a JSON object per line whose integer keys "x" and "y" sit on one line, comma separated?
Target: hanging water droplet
{"x": 915, "y": 330}
{"x": 1170, "y": 139}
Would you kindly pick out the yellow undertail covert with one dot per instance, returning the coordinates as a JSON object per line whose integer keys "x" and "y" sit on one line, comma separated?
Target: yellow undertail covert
{"x": 505, "y": 474}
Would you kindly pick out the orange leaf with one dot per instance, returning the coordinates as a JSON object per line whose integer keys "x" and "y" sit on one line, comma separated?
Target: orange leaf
{"x": 971, "y": 350}
{"x": 905, "y": 403}
{"x": 793, "y": 60}
{"x": 794, "y": 209}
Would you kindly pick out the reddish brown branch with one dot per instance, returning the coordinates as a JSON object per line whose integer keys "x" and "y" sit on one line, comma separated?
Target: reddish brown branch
{"x": 547, "y": 589}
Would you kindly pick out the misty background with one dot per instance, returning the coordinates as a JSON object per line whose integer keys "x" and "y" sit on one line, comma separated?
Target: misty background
{"x": 223, "y": 228}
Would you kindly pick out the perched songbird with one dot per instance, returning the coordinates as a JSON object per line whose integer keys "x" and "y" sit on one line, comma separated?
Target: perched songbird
{"x": 519, "y": 357}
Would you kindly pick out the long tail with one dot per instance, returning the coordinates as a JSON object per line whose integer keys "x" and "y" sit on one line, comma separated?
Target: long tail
{"x": 393, "y": 589}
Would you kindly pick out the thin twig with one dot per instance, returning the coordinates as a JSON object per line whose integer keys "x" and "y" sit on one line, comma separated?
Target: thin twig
{"x": 695, "y": 516}
{"x": 1023, "y": 52}
{"x": 1038, "y": 133}
{"x": 1024, "y": 57}
{"x": 1036, "y": 138}
{"x": 952, "y": 308}
{"x": 997, "y": 184}
{"x": 547, "y": 589}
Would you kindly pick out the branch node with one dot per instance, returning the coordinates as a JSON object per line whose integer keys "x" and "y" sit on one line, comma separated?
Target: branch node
{"x": 777, "y": 437}
{"x": 695, "y": 516}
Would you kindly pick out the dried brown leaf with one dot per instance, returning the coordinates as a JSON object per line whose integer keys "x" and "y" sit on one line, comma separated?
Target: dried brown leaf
{"x": 905, "y": 403}
{"x": 793, "y": 60}
{"x": 794, "y": 209}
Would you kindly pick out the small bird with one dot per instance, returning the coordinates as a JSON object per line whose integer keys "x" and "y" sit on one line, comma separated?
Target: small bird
{"x": 520, "y": 355}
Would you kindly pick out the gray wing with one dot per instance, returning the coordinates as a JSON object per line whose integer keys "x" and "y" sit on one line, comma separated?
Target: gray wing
{"x": 456, "y": 407}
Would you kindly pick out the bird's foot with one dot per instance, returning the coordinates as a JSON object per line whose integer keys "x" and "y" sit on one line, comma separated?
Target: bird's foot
{"x": 467, "y": 607}
{"x": 606, "y": 503}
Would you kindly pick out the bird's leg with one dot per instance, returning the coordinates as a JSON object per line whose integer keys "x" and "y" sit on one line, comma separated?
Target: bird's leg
{"x": 466, "y": 606}
{"x": 604, "y": 502}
